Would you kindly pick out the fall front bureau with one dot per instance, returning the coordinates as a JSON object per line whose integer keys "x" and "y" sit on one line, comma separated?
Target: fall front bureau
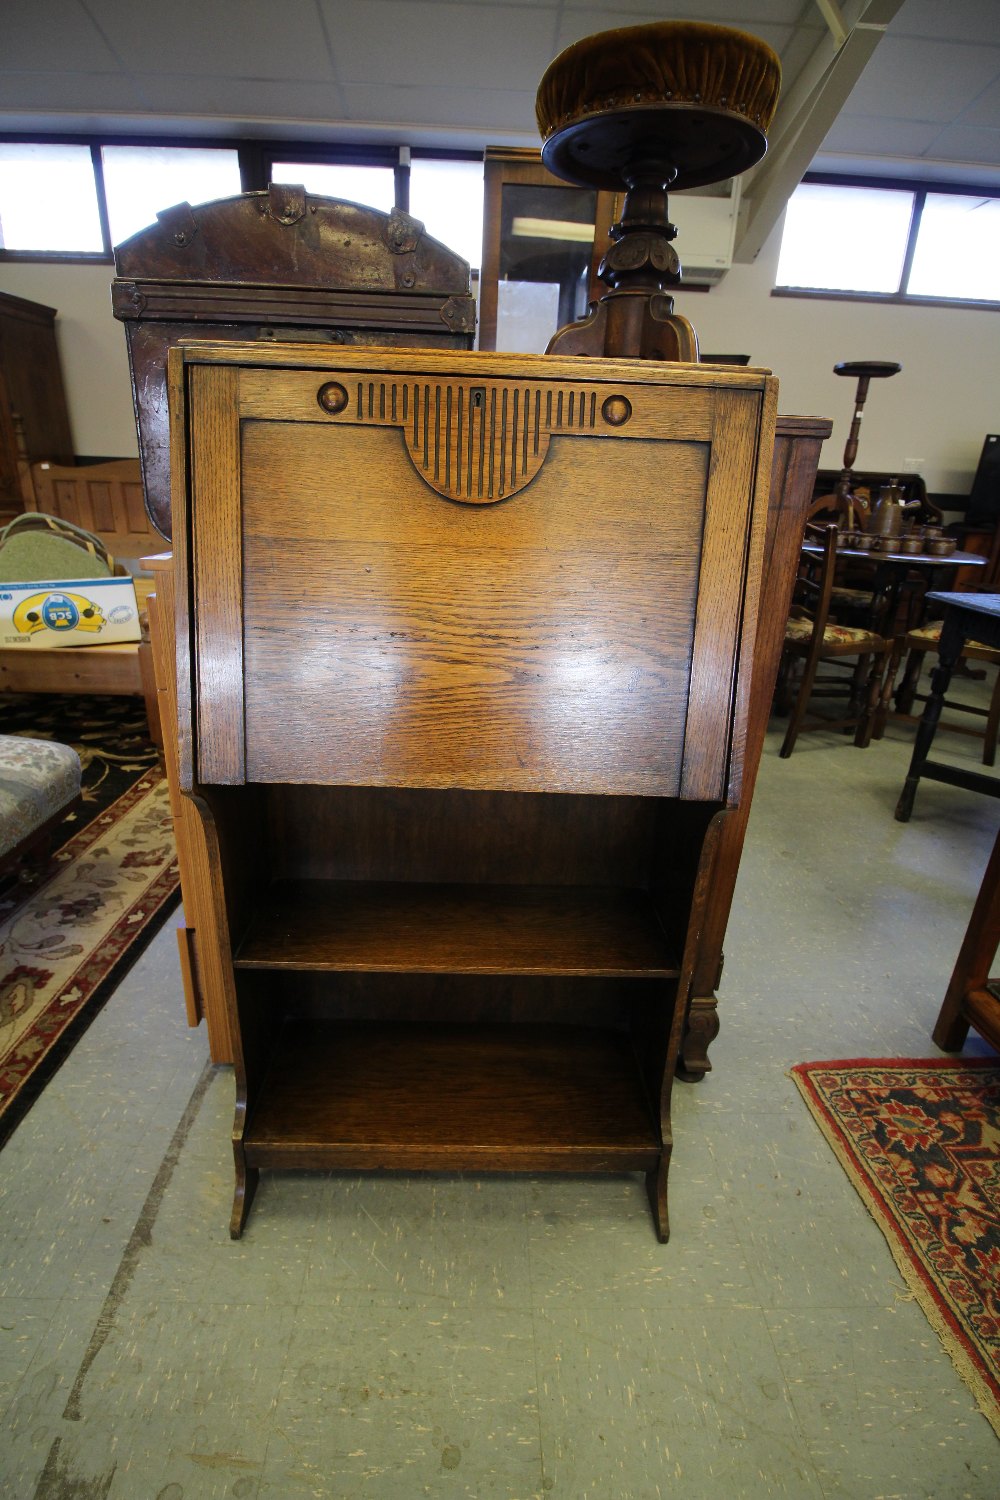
{"x": 464, "y": 652}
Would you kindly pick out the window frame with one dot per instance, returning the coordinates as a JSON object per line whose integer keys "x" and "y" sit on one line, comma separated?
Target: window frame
{"x": 919, "y": 189}
{"x": 256, "y": 157}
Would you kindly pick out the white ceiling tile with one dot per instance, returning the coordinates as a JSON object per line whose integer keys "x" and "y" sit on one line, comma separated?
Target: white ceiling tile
{"x": 746, "y": 15}
{"x": 986, "y": 109}
{"x": 440, "y": 45}
{"x": 954, "y": 21}
{"x": 234, "y": 98}
{"x": 50, "y": 35}
{"x": 482, "y": 110}
{"x": 576, "y": 24}
{"x": 914, "y": 80}
{"x": 462, "y": 71}
{"x": 70, "y": 93}
{"x": 224, "y": 38}
{"x": 964, "y": 143}
{"x": 862, "y": 136}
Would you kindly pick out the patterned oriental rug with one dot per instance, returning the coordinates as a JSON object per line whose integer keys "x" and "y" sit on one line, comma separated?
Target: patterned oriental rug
{"x": 921, "y": 1143}
{"x": 68, "y": 936}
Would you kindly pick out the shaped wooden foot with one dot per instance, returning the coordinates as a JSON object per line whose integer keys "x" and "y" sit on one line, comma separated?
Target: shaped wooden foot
{"x": 247, "y": 1179}
{"x": 656, "y": 1187}
{"x": 700, "y": 1031}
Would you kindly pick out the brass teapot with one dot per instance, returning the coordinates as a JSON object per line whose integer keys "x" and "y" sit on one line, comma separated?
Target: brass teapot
{"x": 886, "y": 518}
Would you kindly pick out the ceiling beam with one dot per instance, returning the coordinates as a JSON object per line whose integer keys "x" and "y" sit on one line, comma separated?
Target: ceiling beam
{"x": 806, "y": 114}
{"x": 830, "y": 11}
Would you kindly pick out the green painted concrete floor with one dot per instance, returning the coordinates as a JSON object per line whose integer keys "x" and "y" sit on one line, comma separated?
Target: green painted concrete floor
{"x": 522, "y": 1337}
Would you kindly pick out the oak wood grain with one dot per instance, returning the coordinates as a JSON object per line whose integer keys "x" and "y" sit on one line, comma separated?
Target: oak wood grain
{"x": 217, "y": 571}
{"x": 206, "y": 974}
{"x": 456, "y": 929}
{"x": 727, "y": 593}
{"x": 486, "y": 745}
{"x": 375, "y": 833}
{"x": 453, "y": 1097}
{"x": 538, "y": 645}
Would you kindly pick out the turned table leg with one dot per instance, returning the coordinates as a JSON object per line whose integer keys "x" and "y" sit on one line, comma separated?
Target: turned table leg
{"x": 950, "y": 649}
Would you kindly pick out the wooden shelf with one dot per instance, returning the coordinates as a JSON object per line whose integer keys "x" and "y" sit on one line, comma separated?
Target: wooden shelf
{"x": 531, "y": 1098}
{"x": 457, "y": 929}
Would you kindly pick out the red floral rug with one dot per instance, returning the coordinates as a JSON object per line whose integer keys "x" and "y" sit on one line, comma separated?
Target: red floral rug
{"x": 68, "y": 938}
{"x": 921, "y": 1143}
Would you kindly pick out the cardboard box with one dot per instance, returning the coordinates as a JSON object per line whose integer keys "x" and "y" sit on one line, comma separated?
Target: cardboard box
{"x": 68, "y": 612}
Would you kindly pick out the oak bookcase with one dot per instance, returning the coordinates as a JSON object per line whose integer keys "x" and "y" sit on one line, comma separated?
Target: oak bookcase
{"x": 464, "y": 653}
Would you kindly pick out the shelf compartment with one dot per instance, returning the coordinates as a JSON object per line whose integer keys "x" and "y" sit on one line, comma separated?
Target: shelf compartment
{"x": 359, "y": 1095}
{"x": 402, "y": 927}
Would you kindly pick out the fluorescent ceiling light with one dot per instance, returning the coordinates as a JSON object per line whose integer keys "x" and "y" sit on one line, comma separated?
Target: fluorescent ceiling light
{"x": 553, "y": 229}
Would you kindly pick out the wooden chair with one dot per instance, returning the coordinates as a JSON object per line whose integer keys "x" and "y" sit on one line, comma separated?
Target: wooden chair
{"x": 812, "y": 637}
{"x": 927, "y": 638}
{"x": 853, "y": 592}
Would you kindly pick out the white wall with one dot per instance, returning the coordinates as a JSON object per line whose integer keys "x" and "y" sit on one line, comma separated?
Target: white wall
{"x": 92, "y": 350}
{"x": 938, "y": 409}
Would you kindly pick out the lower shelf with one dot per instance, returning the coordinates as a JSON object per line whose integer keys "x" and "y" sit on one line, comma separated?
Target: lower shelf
{"x": 452, "y": 1098}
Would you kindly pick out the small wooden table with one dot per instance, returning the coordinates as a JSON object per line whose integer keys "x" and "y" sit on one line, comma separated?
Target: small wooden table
{"x": 890, "y": 568}
{"x": 967, "y": 617}
{"x": 123, "y": 669}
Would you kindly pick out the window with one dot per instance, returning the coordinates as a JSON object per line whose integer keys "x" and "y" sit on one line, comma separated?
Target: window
{"x": 845, "y": 238}
{"x": 48, "y": 200}
{"x": 447, "y": 196}
{"x": 139, "y": 181}
{"x": 81, "y": 197}
{"x": 894, "y": 242}
{"x": 373, "y": 186}
{"x": 958, "y": 248}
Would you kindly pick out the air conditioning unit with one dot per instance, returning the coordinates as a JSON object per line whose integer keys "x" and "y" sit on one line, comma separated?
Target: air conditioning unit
{"x": 706, "y": 233}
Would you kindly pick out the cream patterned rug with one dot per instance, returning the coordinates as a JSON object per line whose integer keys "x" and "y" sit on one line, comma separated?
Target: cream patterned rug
{"x": 66, "y": 942}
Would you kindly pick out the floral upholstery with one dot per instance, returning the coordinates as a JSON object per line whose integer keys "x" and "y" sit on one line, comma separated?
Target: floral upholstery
{"x": 798, "y": 631}
{"x": 37, "y": 779}
{"x": 932, "y": 635}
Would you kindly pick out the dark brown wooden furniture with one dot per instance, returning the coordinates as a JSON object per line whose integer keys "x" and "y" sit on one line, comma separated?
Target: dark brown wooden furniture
{"x": 915, "y": 645}
{"x": 864, "y": 371}
{"x": 647, "y": 110}
{"x": 462, "y": 837}
{"x": 883, "y": 578}
{"x": 521, "y": 195}
{"x": 813, "y": 637}
{"x": 32, "y": 391}
{"x": 966, "y": 617}
{"x": 104, "y": 498}
{"x": 259, "y": 266}
{"x": 279, "y": 265}
{"x": 973, "y": 998}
